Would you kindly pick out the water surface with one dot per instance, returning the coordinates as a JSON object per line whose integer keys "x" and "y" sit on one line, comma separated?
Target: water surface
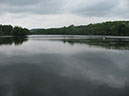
{"x": 63, "y": 65}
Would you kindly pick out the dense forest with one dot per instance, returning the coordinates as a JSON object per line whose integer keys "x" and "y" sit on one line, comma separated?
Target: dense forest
{"x": 116, "y": 28}
{"x": 8, "y": 30}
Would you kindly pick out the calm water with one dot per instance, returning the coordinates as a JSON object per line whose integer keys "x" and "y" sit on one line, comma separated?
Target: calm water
{"x": 64, "y": 66}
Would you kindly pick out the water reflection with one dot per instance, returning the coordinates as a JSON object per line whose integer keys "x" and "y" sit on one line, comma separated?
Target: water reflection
{"x": 55, "y": 68}
{"x": 109, "y": 43}
{"x": 12, "y": 40}
{"x": 42, "y": 80}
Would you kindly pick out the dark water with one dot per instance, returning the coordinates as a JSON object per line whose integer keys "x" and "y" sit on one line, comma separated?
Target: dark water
{"x": 64, "y": 66}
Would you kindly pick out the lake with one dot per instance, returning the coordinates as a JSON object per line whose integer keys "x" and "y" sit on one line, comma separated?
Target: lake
{"x": 61, "y": 65}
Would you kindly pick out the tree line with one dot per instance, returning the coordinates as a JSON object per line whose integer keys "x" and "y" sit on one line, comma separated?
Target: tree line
{"x": 8, "y": 30}
{"x": 115, "y": 28}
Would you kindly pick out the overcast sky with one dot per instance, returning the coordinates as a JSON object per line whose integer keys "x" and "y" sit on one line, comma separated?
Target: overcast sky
{"x": 57, "y": 13}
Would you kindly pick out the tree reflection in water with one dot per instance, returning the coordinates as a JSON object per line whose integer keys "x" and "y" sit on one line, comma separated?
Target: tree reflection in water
{"x": 108, "y": 43}
{"x": 13, "y": 40}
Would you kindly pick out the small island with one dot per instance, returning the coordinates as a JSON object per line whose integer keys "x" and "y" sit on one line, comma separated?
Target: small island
{"x": 8, "y": 30}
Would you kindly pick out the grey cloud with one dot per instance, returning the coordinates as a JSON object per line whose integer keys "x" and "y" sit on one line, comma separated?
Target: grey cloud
{"x": 104, "y": 8}
{"x": 18, "y": 2}
{"x": 97, "y": 8}
{"x": 31, "y": 6}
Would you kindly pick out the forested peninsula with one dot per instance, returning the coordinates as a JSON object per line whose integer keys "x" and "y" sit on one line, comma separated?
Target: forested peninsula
{"x": 8, "y": 30}
{"x": 114, "y": 28}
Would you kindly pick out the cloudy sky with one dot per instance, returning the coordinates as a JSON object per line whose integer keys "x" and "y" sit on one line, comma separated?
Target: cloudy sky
{"x": 57, "y": 13}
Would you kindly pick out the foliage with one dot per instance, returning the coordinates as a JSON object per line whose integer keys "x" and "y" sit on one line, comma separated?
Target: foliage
{"x": 7, "y": 30}
{"x": 119, "y": 28}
